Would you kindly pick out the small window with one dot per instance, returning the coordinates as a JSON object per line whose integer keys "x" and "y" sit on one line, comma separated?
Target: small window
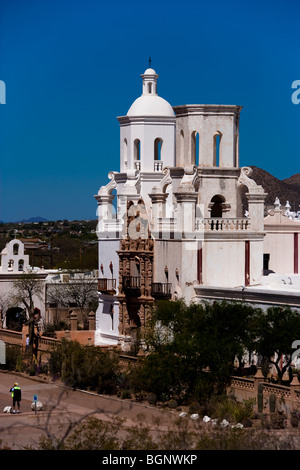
{"x": 21, "y": 265}
{"x": 16, "y": 249}
{"x": 181, "y": 142}
{"x": 150, "y": 87}
{"x": 137, "y": 149}
{"x": 11, "y": 264}
{"x": 217, "y": 144}
{"x": 266, "y": 261}
{"x": 195, "y": 148}
{"x": 157, "y": 149}
{"x": 125, "y": 151}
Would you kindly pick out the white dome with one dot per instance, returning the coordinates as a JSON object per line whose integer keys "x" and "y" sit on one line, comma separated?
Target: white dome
{"x": 150, "y": 72}
{"x": 150, "y": 105}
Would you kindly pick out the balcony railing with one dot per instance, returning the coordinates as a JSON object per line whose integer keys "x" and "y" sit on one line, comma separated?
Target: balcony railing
{"x": 223, "y": 224}
{"x": 158, "y": 166}
{"x": 131, "y": 283}
{"x": 161, "y": 289}
{"x": 107, "y": 285}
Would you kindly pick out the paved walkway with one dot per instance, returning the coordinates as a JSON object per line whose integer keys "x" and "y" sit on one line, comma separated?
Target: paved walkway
{"x": 62, "y": 406}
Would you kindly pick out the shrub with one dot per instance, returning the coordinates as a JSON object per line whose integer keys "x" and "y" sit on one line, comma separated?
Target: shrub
{"x": 195, "y": 408}
{"x": 272, "y": 402}
{"x": 232, "y": 410}
{"x": 247, "y": 423}
{"x": 294, "y": 419}
{"x": 277, "y": 420}
{"x": 172, "y": 404}
{"x": 85, "y": 367}
{"x": 13, "y": 358}
{"x": 152, "y": 399}
{"x": 260, "y": 398}
{"x": 91, "y": 434}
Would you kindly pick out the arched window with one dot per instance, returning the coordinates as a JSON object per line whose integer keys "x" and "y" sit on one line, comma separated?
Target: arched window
{"x": 182, "y": 142}
{"x": 125, "y": 152}
{"x": 150, "y": 87}
{"x": 137, "y": 149}
{"x": 195, "y": 148}
{"x": 21, "y": 265}
{"x": 217, "y": 206}
{"x": 16, "y": 249}
{"x": 11, "y": 265}
{"x": 217, "y": 144}
{"x": 157, "y": 149}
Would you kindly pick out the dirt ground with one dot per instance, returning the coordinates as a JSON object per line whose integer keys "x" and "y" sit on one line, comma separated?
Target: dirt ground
{"x": 62, "y": 406}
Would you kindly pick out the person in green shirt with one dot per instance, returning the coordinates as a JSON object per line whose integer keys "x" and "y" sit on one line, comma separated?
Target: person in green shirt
{"x": 16, "y": 396}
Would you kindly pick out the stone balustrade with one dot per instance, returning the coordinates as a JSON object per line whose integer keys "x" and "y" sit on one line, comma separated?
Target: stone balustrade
{"x": 11, "y": 337}
{"x": 158, "y": 165}
{"x": 223, "y": 224}
{"x": 288, "y": 397}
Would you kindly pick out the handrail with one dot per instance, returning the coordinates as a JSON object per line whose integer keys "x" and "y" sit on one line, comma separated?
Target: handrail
{"x": 131, "y": 282}
{"x": 161, "y": 288}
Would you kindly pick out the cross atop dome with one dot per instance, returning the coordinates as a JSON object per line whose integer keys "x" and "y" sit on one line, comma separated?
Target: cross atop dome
{"x": 149, "y": 81}
{"x": 149, "y": 103}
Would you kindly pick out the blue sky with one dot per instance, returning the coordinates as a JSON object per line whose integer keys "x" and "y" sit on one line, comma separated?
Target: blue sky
{"x": 72, "y": 66}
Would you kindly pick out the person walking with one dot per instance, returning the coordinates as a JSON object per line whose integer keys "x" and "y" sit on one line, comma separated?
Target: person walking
{"x": 16, "y": 396}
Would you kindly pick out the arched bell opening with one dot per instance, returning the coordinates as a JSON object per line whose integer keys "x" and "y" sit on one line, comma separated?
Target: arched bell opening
{"x": 217, "y": 206}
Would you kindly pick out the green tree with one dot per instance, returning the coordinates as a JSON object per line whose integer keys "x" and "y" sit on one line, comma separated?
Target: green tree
{"x": 276, "y": 331}
{"x": 80, "y": 290}
{"x": 184, "y": 341}
{"x": 85, "y": 367}
{"x": 26, "y": 290}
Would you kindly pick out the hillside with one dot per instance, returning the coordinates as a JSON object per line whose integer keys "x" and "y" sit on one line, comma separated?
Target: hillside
{"x": 285, "y": 190}
{"x": 56, "y": 244}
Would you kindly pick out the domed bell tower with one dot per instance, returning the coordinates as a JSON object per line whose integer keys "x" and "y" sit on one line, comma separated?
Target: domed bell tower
{"x": 147, "y": 132}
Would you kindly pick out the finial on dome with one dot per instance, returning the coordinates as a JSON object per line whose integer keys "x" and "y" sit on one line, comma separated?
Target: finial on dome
{"x": 150, "y": 60}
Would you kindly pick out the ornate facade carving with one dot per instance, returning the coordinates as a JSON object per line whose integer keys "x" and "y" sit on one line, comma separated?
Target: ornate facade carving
{"x": 135, "y": 272}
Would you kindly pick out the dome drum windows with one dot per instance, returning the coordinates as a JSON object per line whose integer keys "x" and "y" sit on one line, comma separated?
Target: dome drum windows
{"x": 157, "y": 148}
{"x": 158, "y": 164}
{"x": 125, "y": 153}
{"x": 137, "y": 154}
{"x": 137, "y": 149}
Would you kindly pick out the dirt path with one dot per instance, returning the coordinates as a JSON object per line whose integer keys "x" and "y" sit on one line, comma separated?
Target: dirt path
{"x": 62, "y": 406}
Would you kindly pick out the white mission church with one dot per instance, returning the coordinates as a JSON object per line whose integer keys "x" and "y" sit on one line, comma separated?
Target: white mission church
{"x": 180, "y": 219}
{"x": 173, "y": 222}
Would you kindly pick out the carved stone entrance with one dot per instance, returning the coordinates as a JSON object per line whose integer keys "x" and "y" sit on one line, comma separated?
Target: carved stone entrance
{"x": 135, "y": 274}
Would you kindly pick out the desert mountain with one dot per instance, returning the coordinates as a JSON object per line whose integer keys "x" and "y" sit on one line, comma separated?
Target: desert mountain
{"x": 286, "y": 189}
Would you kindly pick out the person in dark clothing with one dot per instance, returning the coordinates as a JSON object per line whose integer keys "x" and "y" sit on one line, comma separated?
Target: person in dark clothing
{"x": 16, "y": 396}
